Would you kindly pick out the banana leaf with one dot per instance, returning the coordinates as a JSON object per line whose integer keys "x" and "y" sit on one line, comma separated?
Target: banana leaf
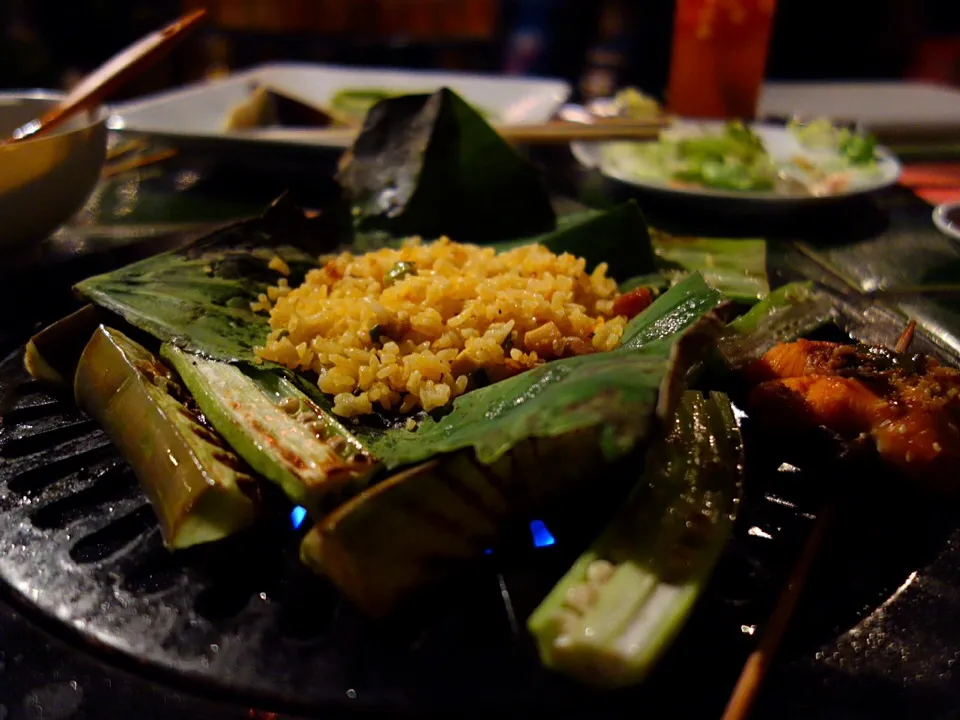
{"x": 644, "y": 256}
{"x": 618, "y": 236}
{"x": 617, "y": 391}
{"x": 789, "y": 312}
{"x": 198, "y": 297}
{"x": 735, "y": 267}
{"x": 430, "y": 165}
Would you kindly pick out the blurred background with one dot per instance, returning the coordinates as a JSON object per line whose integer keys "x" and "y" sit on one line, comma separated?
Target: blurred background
{"x": 598, "y": 45}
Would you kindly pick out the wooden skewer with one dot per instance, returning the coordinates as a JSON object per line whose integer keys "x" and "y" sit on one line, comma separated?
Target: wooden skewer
{"x": 903, "y": 344}
{"x": 533, "y": 134}
{"x": 135, "y": 163}
{"x": 938, "y": 290}
{"x": 110, "y": 76}
{"x": 755, "y": 669}
{"x": 126, "y": 148}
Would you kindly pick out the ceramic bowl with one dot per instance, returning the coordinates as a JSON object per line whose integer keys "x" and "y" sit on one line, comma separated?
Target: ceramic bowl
{"x": 44, "y": 181}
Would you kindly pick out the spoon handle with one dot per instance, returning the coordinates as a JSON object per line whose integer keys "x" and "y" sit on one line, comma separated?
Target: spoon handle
{"x": 117, "y": 71}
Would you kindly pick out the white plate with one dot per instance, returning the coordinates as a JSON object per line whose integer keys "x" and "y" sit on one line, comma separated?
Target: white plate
{"x": 944, "y": 222}
{"x": 195, "y": 115}
{"x": 898, "y": 109}
{"x": 780, "y": 144}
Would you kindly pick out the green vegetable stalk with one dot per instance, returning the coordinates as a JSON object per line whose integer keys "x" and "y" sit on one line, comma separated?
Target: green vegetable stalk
{"x": 200, "y": 490}
{"x": 279, "y": 431}
{"x": 619, "y": 607}
{"x": 51, "y": 356}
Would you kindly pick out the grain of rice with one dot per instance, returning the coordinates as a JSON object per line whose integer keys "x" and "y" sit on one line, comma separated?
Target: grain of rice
{"x": 279, "y": 264}
{"x": 419, "y": 337}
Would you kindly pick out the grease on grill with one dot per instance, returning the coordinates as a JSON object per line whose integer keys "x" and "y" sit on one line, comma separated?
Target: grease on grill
{"x": 157, "y": 571}
{"x": 114, "y": 537}
{"x": 33, "y": 474}
{"x": 113, "y": 483}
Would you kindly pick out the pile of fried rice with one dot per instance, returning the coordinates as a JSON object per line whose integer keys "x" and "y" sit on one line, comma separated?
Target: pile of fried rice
{"x": 412, "y": 328}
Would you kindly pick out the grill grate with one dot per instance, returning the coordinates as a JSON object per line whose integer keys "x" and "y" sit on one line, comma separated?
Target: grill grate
{"x": 242, "y": 618}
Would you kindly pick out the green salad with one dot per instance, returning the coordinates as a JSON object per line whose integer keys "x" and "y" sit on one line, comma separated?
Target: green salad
{"x": 735, "y": 158}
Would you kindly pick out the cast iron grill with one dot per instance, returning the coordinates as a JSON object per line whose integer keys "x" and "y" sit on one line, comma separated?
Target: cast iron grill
{"x": 242, "y": 619}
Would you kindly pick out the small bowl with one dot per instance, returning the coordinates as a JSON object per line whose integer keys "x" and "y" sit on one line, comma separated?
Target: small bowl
{"x": 947, "y": 219}
{"x": 44, "y": 181}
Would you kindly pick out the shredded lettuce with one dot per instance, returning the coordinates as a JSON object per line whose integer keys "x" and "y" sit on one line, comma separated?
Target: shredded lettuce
{"x": 852, "y": 147}
{"x": 732, "y": 160}
{"x": 735, "y": 158}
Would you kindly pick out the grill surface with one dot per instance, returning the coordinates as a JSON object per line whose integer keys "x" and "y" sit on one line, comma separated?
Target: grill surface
{"x": 243, "y": 620}
{"x": 81, "y": 544}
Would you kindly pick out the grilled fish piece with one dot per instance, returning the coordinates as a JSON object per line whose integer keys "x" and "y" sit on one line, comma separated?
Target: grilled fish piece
{"x": 907, "y": 404}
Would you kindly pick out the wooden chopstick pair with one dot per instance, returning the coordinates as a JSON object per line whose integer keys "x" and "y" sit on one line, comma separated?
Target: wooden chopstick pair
{"x": 549, "y": 133}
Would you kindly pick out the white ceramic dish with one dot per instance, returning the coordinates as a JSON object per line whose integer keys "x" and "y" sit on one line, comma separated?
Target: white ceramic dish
{"x": 904, "y": 110}
{"x": 947, "y": 219}
{"x": 45, "y": 180}
{"x": 195, "y": 115}
{"x": 780, "y": 144}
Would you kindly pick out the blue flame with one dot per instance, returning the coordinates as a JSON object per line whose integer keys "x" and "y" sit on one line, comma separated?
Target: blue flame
{"x": 541, "y": 536}
{"x": 297, "y": 516}
{"x": 488, "y": 551}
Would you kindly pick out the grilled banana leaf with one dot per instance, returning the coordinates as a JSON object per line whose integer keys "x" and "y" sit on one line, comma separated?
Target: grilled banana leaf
{"x": 430, "y": 165}
{"x": 408, "y": 531}
{"x": 198, "y": 487}
{"x": 618, "y": 236}
{"x": 789, "y": 312}
{"x": 737, "y": 267}
{"x": 618, "y": 392}
{"x": 199, "y": 297}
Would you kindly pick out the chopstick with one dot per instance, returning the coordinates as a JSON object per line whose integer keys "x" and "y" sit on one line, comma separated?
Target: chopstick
{"x": 125, "y": 148}
{"x": 548, "y": 133}
{"x": 755, "y": 669}
{"x": 113, "y": 74}
{"x": 533, "y": 134}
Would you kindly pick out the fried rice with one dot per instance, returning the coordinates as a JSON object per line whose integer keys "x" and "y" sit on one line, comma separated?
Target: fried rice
{"x": 413, "y": 328}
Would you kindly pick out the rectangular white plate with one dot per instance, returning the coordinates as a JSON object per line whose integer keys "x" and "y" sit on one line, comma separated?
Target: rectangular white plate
{"x": 890, "y": 109}
{"x": 195, "y": 115}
